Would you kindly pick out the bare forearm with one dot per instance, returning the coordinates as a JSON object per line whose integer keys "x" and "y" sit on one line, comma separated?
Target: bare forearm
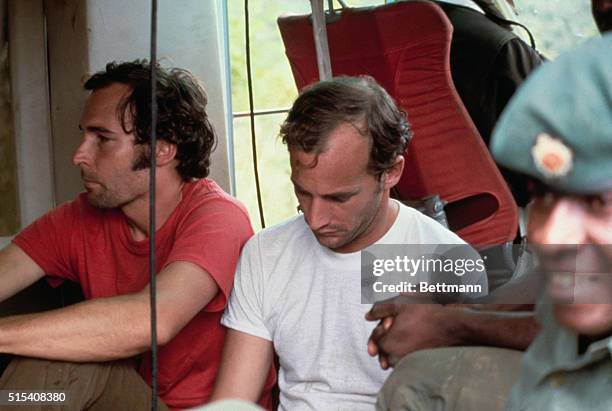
{"x": 111, "y": 328}
{"x": 498, "y": 329}
{"x": 96, "y": 330}
{"x": 17, "y": 271}
{"x": 244, "y": 367}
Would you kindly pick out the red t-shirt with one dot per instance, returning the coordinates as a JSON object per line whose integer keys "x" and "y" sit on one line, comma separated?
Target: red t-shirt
{"x": 94, "y": 247}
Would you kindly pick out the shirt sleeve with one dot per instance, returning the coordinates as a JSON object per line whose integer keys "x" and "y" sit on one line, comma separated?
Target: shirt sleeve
{"x": 48, "y": 242}
{"x": 212, "y": 236}
{"x": 245, "y": 311}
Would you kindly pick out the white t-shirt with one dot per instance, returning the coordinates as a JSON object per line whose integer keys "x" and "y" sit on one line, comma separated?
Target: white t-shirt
{"x": 306, "y": 299}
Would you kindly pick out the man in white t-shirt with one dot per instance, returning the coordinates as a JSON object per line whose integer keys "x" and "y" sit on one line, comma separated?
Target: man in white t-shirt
{"x": 297, "y": 288}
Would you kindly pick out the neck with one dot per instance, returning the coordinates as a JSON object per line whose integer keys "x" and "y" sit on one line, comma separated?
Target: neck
{"x": 384, "y": 221}
{"x": 167, "y": 197}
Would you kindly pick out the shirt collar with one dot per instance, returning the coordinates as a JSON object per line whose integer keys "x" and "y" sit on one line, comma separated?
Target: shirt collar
{"x": 558, "y": 347}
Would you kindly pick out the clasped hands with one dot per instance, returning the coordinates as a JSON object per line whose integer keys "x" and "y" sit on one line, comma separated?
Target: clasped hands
{"x": 408, "y": 323}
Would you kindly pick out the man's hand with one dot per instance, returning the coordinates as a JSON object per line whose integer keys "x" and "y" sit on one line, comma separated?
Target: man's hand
{"x": 407, "y": 326}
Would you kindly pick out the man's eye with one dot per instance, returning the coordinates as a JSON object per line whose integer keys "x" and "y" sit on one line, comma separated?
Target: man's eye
{"x": 103, "y": 139}
{"x": 599, "y": 203}
{"x": 339, "y": 199}
{"x": 299, "y": 192}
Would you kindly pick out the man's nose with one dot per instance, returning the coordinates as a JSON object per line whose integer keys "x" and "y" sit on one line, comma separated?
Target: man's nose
{"x": 317, "y": 214}
{"x": 82, "y": 153}
{"x": 565, "y": 224}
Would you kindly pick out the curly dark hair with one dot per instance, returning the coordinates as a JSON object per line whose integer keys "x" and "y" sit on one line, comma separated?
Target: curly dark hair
{"x": 323, "y": 106}
{"x": 181, "y": 112}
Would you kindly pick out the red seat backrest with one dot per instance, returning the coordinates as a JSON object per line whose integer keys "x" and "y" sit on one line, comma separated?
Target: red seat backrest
{"x": 405, "y": 46}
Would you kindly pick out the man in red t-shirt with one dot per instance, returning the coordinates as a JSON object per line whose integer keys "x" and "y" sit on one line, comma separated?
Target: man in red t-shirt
{"x": 100, "y": 240}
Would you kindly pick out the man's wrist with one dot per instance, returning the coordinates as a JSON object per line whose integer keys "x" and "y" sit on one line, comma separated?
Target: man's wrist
{"x": 514, "y": 330}
{"x": 5, "y": 324}
{"x": 463, "y": 320}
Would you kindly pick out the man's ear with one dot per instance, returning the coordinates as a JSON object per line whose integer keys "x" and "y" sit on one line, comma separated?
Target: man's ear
{"x": 166, "y": 152}
{"x": 393, "y": 174}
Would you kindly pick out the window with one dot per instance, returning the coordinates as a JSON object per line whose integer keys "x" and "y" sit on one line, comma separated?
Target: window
{"x": 273, "y": 88}
{"x": 557, "y": 25}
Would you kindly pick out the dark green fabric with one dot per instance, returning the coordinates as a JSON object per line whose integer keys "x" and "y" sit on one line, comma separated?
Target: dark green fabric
{"x": 556, "y": 377}
{"x": 454, "y": 378}
{"x": 488, "y": 64}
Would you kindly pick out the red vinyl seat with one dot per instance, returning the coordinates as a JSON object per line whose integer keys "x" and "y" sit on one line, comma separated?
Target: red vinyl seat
{"x": 405, "y": 46}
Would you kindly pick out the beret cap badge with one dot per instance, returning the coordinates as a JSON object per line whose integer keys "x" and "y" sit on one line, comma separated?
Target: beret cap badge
{"x": 551, "y": 156}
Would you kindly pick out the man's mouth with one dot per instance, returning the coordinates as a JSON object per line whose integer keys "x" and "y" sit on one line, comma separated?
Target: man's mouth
{"x": 327, "y": 233}
{"x": 89, "y": 183}
{"x": 580, "y": 288}
{"x": 330, "y": 231}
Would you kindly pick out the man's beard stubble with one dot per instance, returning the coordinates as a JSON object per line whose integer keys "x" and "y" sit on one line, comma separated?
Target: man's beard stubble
{"x": 107, "y": 199}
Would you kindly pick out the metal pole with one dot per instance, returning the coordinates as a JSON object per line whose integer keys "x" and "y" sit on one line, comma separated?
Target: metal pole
{"x": 320, "y": 39}
{"x": 152, "y": 214}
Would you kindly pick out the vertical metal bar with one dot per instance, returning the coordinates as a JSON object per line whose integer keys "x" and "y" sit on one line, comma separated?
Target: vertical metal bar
{"x": 152, "y": 225}
{"x": 320, "y": 39}
{"x": 229, "y": 104}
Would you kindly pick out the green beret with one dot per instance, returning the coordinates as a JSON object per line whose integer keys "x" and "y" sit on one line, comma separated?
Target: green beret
{"x": 558, "y": 127}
